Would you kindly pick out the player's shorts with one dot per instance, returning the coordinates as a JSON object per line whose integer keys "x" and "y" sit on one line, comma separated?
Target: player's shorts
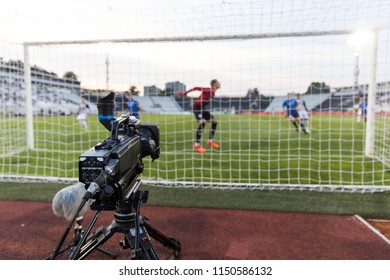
{"x": 293, "y": 114}
{"x": 199, "y": 114}
{"x": 303, "y": 115}
{"x": 81, "y": 117}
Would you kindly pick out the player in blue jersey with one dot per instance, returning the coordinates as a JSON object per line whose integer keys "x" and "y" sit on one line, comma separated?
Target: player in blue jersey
{"x": 362, "y": 111}
{"x": 291, "y": 107}
{"x": 133, "y": 107}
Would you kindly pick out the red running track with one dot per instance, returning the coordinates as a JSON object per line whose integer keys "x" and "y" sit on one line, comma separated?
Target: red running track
{"x": 30, "y": 231}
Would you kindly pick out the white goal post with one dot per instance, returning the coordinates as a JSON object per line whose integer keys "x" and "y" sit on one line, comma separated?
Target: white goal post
{"x": 370, "y": 130}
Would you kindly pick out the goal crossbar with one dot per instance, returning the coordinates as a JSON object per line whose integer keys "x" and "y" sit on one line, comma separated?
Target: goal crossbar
{"x": 198, "y": 38}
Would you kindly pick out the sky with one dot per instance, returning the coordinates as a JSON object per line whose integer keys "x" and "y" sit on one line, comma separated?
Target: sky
{"x": 274, "y": 66}
{"x": 25, "y": 19}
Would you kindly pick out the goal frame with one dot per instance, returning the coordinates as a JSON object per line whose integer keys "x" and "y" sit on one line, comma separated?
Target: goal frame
{"x": 370, "y": 132}
{"x": 372, "y": 87}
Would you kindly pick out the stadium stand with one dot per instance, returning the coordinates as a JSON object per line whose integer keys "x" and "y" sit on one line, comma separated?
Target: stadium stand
{"x": 241, "y": 104}
{"x": 184, "y": 102}
{"x": 52, "y": 95}
{"x": 313, "y": 100}
{"x": 276, "y": 104}
{"x": 343, "y": 100}
{"x": 150, "y": 104}
{"x": 167, "y": 104}
{"x": 46, "y": 100}
{"x": 383, "y": 97}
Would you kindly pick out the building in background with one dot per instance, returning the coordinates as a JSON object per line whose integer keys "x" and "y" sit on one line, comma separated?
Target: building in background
{"x": 151, "y": 91}
{"x": 172, "y": 88}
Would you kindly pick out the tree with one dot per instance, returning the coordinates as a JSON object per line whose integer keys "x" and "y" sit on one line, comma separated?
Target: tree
{"x": 134, "y": 91}
{"x": 317, "y": 88}
{"x": 70, "y": 75}
{"x": 253, "y": 94}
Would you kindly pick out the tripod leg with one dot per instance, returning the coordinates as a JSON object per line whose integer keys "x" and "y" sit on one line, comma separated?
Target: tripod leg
{"x": 65, "y": 234}
{"x": 88, "y": 243}
{"x": 94, "y": 241}
{"x": 104, "y": 251}
{"x": 144, "y": 249}
{"x": 164, "y": 240}
{"x": 149, "y": 250}
{"x": 84, "y": 236}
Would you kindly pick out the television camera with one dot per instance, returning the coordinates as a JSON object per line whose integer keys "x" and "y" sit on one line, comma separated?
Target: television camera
{"x": 115, "y": 163}
{"x": 109, "y": 171}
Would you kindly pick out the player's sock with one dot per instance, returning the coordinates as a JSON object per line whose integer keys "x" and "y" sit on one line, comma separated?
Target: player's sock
{"x": 199, "y": 132}
{"x": 212, "y": 130}
{"x": 296, "y": 126}
{"x": 307, "y": 125}
{"x": 303, "y": 128}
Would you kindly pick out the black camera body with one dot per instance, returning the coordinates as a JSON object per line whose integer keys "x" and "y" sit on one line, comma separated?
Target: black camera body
{"x": 109, "y": 171}
{"x": 115, "y": 163}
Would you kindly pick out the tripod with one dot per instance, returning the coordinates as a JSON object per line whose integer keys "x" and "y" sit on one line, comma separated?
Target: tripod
{"x": 78, "y": 232}
{"x": 128, "y": 221}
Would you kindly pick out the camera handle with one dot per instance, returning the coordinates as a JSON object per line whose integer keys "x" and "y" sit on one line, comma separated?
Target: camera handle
{"x": 121, "y": 121}
{"x": 117, "y": 124}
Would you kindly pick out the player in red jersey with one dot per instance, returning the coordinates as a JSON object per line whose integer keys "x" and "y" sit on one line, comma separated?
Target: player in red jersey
{"x": 202, "y": 115}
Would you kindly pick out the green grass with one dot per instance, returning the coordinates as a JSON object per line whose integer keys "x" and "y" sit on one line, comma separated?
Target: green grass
{"x": 368, "y": 205}
{"x": 254, "y": 149}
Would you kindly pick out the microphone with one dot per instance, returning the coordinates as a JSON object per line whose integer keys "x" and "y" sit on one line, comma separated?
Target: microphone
{"x": 67, "y": 201}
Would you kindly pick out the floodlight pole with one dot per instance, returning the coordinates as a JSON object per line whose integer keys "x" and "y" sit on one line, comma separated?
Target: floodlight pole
{"x": 357, "y": 71}
{"x": 28, "y": 90}
{"x": 370, "y": 126}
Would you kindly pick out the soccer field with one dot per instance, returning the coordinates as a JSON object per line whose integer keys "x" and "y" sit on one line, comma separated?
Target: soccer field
{"x": 258, "y": 149}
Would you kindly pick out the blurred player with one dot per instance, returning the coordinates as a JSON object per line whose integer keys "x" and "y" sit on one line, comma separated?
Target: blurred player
{"x": 303, "y": 111}
{"x": 83, "y": 112}
{"x": 202, "y": 116}
{"x": 133, "y": 107}
{"x": 290, "y": 107}
{"x": 362, "y": 109}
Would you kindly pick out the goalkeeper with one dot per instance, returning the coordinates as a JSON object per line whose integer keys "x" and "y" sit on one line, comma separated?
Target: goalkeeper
{"x": 202, "y": 116}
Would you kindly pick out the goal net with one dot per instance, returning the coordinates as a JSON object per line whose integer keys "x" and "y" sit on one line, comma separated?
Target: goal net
{"x": 12, "y": 101}
{"x": 258, "y": 52}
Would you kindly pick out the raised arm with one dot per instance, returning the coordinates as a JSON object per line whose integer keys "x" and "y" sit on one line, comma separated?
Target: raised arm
{"x": 183, "y": 93}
